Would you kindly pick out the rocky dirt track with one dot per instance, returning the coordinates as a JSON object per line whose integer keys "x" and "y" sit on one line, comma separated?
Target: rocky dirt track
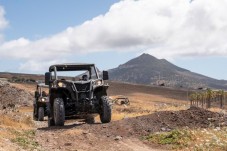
{"x": 124, "y": 134}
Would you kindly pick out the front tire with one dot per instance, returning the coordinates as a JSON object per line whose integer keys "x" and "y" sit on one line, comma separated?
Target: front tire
{"x": 105, "y": 110}
{"x": 59, "y": 112}
{"x": 41, "y": 114}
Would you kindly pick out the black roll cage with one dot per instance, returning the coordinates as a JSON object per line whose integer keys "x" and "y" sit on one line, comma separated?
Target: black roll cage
{"x": 72, "y": 67}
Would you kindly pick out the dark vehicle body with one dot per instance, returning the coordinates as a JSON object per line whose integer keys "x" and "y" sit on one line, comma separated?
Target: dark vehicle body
{"x": 40, "y": 109}
{"x": 71, "y": 97}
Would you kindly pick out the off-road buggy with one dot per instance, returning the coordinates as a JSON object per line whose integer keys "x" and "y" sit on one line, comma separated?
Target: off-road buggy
{"x": 40, "y": 103}
{"x": 85, "y": 94}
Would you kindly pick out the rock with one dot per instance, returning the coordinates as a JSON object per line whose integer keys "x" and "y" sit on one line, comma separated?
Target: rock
{"x": 163, "y": 129}
{"x": 149, "y": 130}
{"x": 104, "y": 126}
{"x": 117, "y": 138}
{"x": 85, "y": 132}
{"x": 68, "y": 144}
{"x": 217, "y": 129}
{"x": 168, "y": 129}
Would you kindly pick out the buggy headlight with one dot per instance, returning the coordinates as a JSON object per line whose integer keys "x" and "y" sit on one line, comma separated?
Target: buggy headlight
{"x": 98, "y": 82}
{"x": 61, "y": 84}
{"x": 44, "y": 99}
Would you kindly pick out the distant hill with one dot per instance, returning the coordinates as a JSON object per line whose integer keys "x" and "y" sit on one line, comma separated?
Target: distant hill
{"x": 146, "y": 70}
{"x": 149, "y": 70}
{"x": 21, "y": 77}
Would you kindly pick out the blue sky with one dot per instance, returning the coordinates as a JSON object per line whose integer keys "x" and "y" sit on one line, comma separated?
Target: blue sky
{"x": 36, "y": 34}
{"x": 36, "y": 19}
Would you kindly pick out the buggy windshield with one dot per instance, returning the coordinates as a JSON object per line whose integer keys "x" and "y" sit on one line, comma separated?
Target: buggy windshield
{"x": 75, "y": 71}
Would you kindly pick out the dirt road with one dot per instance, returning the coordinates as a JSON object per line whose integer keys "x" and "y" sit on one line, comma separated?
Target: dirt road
{"x": 77, "y": 135}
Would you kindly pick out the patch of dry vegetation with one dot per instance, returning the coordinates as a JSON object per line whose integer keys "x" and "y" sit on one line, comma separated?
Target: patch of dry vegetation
{"x": 25, "y": 139}
{"x": 144, "y": 104}
{"x": 192, "y": 139}
{"x": 17, "y": 131}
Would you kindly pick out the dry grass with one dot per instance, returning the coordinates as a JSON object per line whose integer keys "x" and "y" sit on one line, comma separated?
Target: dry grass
{"x": 144, "y": 104}
{"x": 27, "y": 87}
{"x": 8, "y": 122}
{"x": 211, "y": 138}
{"x": 25, "y": 109}
{"x": 17, "y": 127}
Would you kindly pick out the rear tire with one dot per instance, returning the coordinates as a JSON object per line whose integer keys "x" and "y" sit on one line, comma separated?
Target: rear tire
{"x": 35, "y": 118}
{"x": 105, "y": 110}
{"x": 41, "y": 114}
{"x": 59, "y": 112}
{"x": 50, "y": 115}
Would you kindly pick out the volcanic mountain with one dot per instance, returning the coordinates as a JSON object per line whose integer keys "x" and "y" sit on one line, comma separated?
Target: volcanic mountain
{"x": 149, "y": 70}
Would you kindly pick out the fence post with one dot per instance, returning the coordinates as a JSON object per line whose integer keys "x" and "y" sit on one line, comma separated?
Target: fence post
{"x": 221, "y": 99}
{"x": 208, "y": 98}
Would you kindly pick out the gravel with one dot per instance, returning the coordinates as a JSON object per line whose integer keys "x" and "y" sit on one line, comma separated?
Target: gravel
{"x": 12, "y": 97}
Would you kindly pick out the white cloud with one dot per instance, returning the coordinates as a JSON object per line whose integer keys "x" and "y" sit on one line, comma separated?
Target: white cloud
{"x": 163, "y": 28}
{"x": 201, "y": 31}
{"x": 37, "y": 66}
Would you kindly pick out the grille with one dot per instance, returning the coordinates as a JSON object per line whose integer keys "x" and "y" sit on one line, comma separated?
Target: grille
{"x": 82, "y": 87}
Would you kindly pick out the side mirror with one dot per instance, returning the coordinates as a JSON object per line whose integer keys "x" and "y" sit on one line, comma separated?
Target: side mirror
{"x": 36, "y": 94}
{"x": 47, "y": 78}
{"x": 105, "y": 75}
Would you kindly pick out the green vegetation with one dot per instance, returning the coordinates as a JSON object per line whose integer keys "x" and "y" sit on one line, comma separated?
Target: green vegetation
{"x": 188, "y": 139}
{"x": 22, "y": 80}
{"x": 25, "y": 139}
{"x": 177, "y": 138}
